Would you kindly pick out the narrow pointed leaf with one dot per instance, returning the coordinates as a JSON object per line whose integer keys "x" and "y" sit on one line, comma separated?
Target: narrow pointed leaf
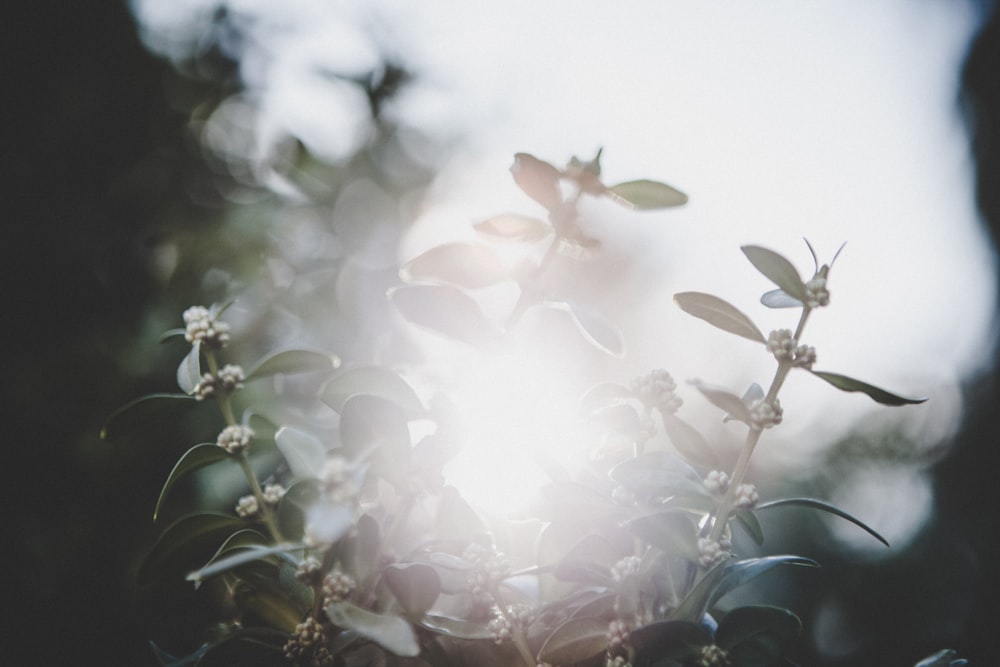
{"x": 878, "y": 395}
{"x": 445, "y": 310}
{"x": 513, "y": 227}
{"x": 416, "y": 586}
{"x": 751, "y": 525}
{"x": 777, "y": 269}
{"x": 595, "y": 328}
{"x": 461, "y": 264}
{"x": 197, "y": 457}
{"x": 303, "y": 452}
{"x": 455, "y": 627}
{"x": 671, "y": 531}
{"x": 575, "y": 640}
{"x": 538, "y": 179}
{"x": 374, "y": 381}
{"x": 778, "y": 298}
{"x": 679, "y": 640}
{"x": 944, "y": 658}
{"x": 647, "y": 195}
{"x": 294, "y": 361}
{"x": 757, "y": 635}
{"x": 392, "y": 633}
{"x": 732, "y": 404}
{"x": 719, "y": 313}
{"x": 144, "y": 413}
{"x": 171, "y": 334}
{"x": 689, "y": 442}
{"x": 246, "y": 554}
{"x": 186, "y": 542}
{"x": 823, "y": 507}
{"x": 189, "y": 370}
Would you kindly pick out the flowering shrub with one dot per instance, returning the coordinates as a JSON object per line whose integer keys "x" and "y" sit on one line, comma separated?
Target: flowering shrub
{"x": 344, "y": 545}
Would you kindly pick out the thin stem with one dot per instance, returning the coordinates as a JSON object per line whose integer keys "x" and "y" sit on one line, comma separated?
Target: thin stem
{"x": 266, "y": 512}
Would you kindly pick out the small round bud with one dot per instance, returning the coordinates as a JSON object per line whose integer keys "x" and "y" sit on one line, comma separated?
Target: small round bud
{"x": 235, "y": 439}
{"x": 817, "y": 295}
{"x": 766, "y": 415}
{"x": 781, "y": 343}
{"x": 805, "y": 356}
{"x": 273, "y": 493}
{"x": 711, "y": 553}
{"x": 201, "y": 325}
{"x": 617, "y": 635}
{"x": 657, "y": 390}
{"x": 713, "y": 656}
{"x": 627, "y": 566}
{"x": 309, "y": 572}
{"x": 716, "y": 482}
{"x": 231, "y": 378}
{"x": 247, "y": 507}
{"x": 746, "y": 497}
{"x": 338, "y": 586}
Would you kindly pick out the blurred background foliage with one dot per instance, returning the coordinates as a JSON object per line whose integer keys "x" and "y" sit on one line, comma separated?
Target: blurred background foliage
{"x": 134, "y": 190}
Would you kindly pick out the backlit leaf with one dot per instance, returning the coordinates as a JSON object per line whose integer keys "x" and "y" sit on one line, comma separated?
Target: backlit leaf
{"x": 461, "y": 264}
{"x": 944, "y": 658}
{"x": 197, "y": 457}
{"x": 750, "y": 524}
{"x": 719, "y": 313}
{"x": 374, "y": 423}
{"x": 390, "y": 632}
{"x": 303, "y": 452}
{"x": 647, "y": 195}
{"x": 538, "y": 179}
{"x": 689, "y": 442}
{"x": 777, "y": 269}
{"x": 595, "y": 328}
{"x": 189, "y": 370}
{"x": 575, "y": 640}
{"x": 514, "y": 227}
{"x": 670, "y": 531}
{"x": 144, "y": 413}
{"x": 415, "y": 586}
{"x": 658, "y": 473}
{"x": 244, "y": 555}
{"x": 445, "y": 310}
{"x": 778, "y": 298}
{"x": 375, "y": 381}
{"x": 732, "y": 404}
{"x": 605, "y": 394}
{"x": 812, "y": 503}
{"x": 878, "y": 395}
{"x": 294, "y": 361}
{"x": 455, "y": 627}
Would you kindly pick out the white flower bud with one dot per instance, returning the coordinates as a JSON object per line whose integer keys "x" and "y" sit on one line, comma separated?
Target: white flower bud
{"x": 247, "y": 506}
{"x": 235, "y": 439}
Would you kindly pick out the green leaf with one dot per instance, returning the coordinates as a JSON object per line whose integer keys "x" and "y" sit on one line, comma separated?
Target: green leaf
{"x": 185, "y": 542}
{"x": 646, "y": 195}
{"x": 731, "y": 404}
{"x": 538, "y": 179}
{"x": 244, "y": 555}
{"x": 823, "y": 507}
{"x": 679, "y": 640}
{"x": 575, "y": 640}
{"x": 171, "y": 334}
{"x": 658, "y": 473}
{"x": 143, "y": 413}
{"x": 595, "y": 328}
{"x": 725, "y": 577}
{"x": 375, "y": 381}
{"x": 719, "y": 313}
{"x": 689, "y": 442}
{"x": 778, "y": 298}
{"x": 416, "y": 586}
{"x": 294, "y": 361}
{"x": 303, "y": 452}
{"x": 197, "y": 457}
{"x": 849, "y": 384}
{"x": 756, "y": 636}
{"x": 390, "y": 632}
{"x": 299, "y": 497}
{"x": 189, "y": 370}
{"x": 372, "y": 423}
{"x": 461, "y": 264}
{"x": 751, "y": 525}
{"x": 777, "y": 269}
{"x": 514, "y": 227}
{"x": 445, "y": 310}
{"x": 455, "y": 627}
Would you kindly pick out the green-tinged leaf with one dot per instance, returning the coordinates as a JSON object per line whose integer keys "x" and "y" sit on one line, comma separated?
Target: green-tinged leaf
{"x": 416, "y": 586}
{"x": 514, "y": 227}
{"x": 366, "y": 543}
{"x": 589, "y": 561}
{"x": 725, "y": 577}
{"x": 375, "y": 381}
{"x": 575, "y": 640}
{"x": 823, "y": 507}
{"x": 777, "y": 269}
{"x": 294, "y": 361}
{"x": 719, "y": 313}
{"x": 445, "y": 310}
{"x": 461, "y": 264}
{"x": 263, "y": 601}
{"x": 538, "y": 179}
{"x": 595, "y": 328}
{"x": 678, "y": 640}
{"x": 452, "y": 570}
{"x": 778, "y": 298}
{"x": 750, "y": 524}
{"x": 943, "y": 658}
{"x": 658, "y": 474}
{"x": 689, "y": 442}
{"x": 882, "y": 396}
{"x": 647, "y": 195}
{"x": 605, "y": 394}
{"x": 756, "y": 636}
{"x": 372, "y": 423}
{"x": 303, "y": 452}
{"x": 186, "y": 542}
{"x": 170, "y": 334}
{"x": 731, "y": 404}
{"x": 390, "y": 632}
{"x": 455, "y": 627}
{"x": 189, "y": 370}
{"x": 244, "y": 555}
{"x": 298, "y": 498}
{"x": 144, "y": 413}
{"x": 671, "y": 531}
{"x": 197, "y": 457}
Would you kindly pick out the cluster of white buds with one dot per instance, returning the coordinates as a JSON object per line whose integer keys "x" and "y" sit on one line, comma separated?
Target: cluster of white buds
{"x": 765, "y": 415}
{"x": 309, "y": 571}
{"x": 247, "y": 506}
{"x": 617, "y": 661}
{"x": 235, "y": 438}
{"x": 200, "y": 325}
{"x": 711, "y": 553}
{"x": 205, "y": 387}
{"x": 627, "y": 566}
{"x": 502, "y": 626}
{"x": 657, "y": 390}
{"x": 746, "y": 497}
{"x": 273, "y": 493}
{"x": 489, "y": 568}
{"x": 338, "y": 586}
{"x": 229, "y": 379}
{"x": 617, "y": 635}
{"x": 339, "y": 480}
{"x": 713, "y": 656}
{"x": 817, "y": 294}
{"x": 308, "y": 645}
{"x": 782, "y": 344}
{"x": 716, "y": 482}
